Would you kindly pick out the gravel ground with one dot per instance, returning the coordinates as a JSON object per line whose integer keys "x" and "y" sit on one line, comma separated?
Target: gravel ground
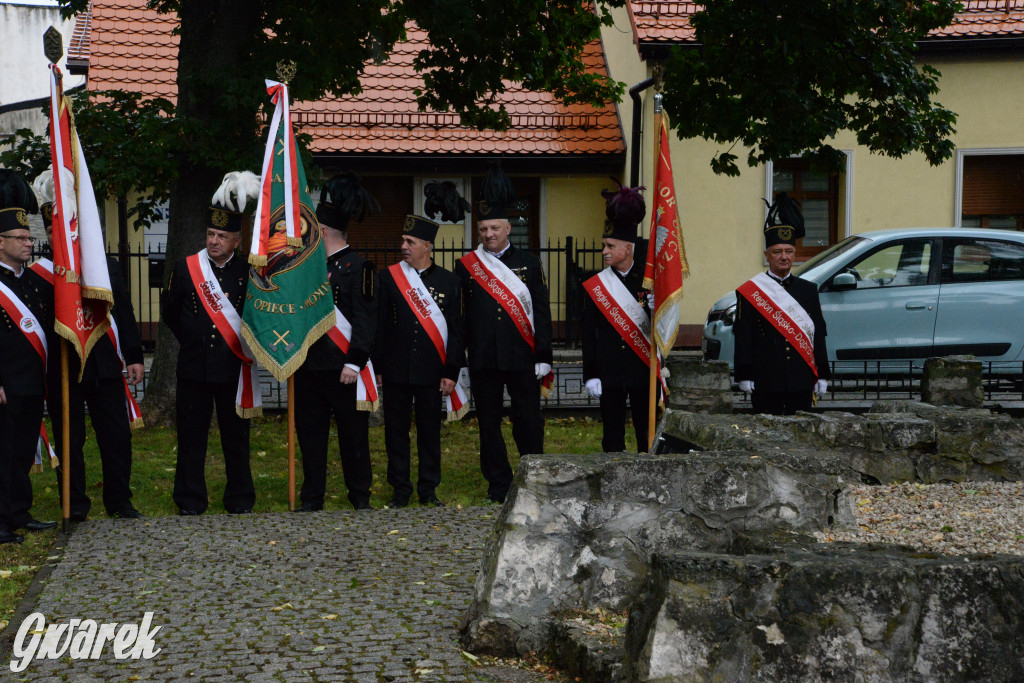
{"x": 953, "y": 519}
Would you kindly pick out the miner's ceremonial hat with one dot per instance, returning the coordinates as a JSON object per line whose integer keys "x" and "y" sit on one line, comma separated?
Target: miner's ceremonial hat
{"x": 16, "y": 201}
{"x": 343, "y": 199}
{"x": 624, "y": 210}
{"x": 227, "y": 208}
{"x": 785, "y": 223}
{"x": 497, "y": 195}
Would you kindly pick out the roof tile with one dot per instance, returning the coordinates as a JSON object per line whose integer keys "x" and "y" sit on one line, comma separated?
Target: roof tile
{"x": 132, "y": 48}
{"x": 667, "y": 22}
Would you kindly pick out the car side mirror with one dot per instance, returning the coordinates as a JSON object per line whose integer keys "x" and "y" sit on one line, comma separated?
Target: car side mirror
{"x": 844, "y": 281}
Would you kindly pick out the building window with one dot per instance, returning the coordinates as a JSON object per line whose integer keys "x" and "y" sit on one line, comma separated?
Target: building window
{"x": 818, "y": 196}
{"x": 993, "y": 191}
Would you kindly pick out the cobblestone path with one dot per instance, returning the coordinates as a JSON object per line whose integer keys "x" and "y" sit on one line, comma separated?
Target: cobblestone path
{"x": 329, "y": 596}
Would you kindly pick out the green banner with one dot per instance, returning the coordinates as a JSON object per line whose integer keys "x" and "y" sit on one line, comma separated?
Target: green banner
{"x": 289, "y": 303}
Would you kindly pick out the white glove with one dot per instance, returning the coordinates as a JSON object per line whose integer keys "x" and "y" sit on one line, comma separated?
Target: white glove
{"x": 542, "y": 370}
{"x": 821, "y": 387}
{"x": 746, "y": 386}
{"x": 594, "y": 387}
{"x": 650, "y": 300}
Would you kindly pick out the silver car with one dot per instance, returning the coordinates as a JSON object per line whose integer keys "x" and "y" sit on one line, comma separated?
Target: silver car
{"x": 896, "y": 297}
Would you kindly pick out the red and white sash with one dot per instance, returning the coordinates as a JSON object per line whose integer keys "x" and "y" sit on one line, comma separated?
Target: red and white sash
{"x": 509, "y": 291}
{"x": 783, "y": 312}
{"x": 366, "y": 384}
{"x": 44, "y": 268}
{"x": 43, "y": 446}
{"x": 248, "y": 400}
{"x": 33, "y": 331}
{"x": 130, "y": 404}
{"x": 625, "y": 314}
{"x": 429, "y": 315}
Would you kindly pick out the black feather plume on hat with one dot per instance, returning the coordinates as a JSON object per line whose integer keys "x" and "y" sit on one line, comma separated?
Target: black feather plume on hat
{"x": 497, "y": 194}
{"x": 625, "y": 207}
{"x": 15, "y": 192}
{"x": 785, "y": 222}
{"x": 343, "y": 199}
{"x": 785, "y": 211}
{"x": 444, "y": 198}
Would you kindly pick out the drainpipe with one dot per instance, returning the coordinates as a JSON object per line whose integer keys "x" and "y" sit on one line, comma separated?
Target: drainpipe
{"x": 634, "y": 147}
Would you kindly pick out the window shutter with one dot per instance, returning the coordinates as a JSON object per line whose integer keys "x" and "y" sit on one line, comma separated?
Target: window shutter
{"x": 993, "y": 185}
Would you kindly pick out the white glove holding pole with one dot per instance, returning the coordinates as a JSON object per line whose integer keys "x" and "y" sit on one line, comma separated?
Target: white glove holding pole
{"x": 650, "y": 300}
{"x": 746, "y": 386}
{"x": 821, "y": 387}
{"x": 542, "y": 370}
{"x": 594, "y": 387}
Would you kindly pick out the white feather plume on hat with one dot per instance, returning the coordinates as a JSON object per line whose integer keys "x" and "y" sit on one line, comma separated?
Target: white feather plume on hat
{"x": 43, "y": 186}
{"x": 46, "y": 194}
{"x": 235, "y": 191}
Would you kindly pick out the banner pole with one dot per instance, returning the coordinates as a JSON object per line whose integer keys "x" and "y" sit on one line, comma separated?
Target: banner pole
{"x": 65, "y": 438}
{"x": 291, "y": 443}
{"x": 652, "y": 404}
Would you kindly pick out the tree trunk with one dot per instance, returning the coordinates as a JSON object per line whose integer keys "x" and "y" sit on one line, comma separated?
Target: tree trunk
{"x": 218, "y": 131}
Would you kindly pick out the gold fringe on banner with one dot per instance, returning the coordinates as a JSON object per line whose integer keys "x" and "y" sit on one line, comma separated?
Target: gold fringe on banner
{"x": 458, "y": 414}
{"x": 294, "y": 241}
{"x": 258, "y": 260}
{"x": 248, "y": 413}
{"x": 369, "y": 406}
{"x": 137, "y": 423}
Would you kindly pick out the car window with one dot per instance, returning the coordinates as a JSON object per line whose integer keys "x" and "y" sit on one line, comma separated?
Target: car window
{"x": 901, "y": 264}
{"x": 980, "y": 260}
{"x": 833, "y": 252}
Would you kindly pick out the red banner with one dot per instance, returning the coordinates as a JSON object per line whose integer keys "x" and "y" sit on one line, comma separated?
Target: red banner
{"x": 666, "y": 255}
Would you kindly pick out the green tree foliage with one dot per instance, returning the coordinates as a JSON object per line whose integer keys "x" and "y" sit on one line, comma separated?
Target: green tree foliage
{"x": 784, "y": 77}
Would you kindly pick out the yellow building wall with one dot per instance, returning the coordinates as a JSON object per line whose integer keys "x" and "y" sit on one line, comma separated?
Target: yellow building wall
{"x": 722, "y": 217}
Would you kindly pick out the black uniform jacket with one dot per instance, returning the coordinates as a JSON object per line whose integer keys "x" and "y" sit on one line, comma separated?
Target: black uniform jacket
{"x": 765, "y": 357}
{"x": 352, "y": 283}
{"x": 204, "y": 356}
{"x": 404, "y": 351}
{"x": 21, "y": 370}
{"x": 103, "y": 361}
{"x": 605, "y": 355}
{"x": 492, "y": 337}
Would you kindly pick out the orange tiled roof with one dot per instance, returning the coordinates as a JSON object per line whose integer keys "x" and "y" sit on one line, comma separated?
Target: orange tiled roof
{"x": 132, "y": 48}
{"x": 667, "y": 22}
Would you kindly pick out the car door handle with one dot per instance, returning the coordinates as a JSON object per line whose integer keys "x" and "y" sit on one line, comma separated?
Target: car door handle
{"x": 918, "y": 305}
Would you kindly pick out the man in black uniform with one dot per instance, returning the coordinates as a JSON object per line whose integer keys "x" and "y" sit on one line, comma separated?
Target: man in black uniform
{"x": 500, "y": 356}
{"x": 613, "y": 371}
{"x": 26, "y": 318}
{"x": 208, "y": 369}
{"x": 327, "y": 383}
{"x": 779, "y": 379}
{"x": 408, "y": 358}
{"x": 102, "y": 387}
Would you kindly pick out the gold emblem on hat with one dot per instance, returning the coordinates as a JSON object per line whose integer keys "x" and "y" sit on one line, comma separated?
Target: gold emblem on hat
{"x": 219, "y": 218}
{"x": 21, "y": 217}
{"x": 410, "y": 223}
{"x": 785, "y": 232}
{"x": 485, "y": 208}
{"x": 608, "y": 228}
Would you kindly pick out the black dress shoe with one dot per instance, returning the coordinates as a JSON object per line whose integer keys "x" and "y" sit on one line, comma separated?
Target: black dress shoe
{"x": 432, "y": 500}
{"x": 7, "y": 536}
{"x": 398, "y": 503}
{"x": 310, "y": 507}
{"x": 128, "y": 512}
{"x": 239, "y": 511}
{"x": 496, "y": 501}
{"x": 36, "y": 525}
{"x": 363, "y": 505}
{"x": 78, "y": 516}
{"x": 185, "y": 512}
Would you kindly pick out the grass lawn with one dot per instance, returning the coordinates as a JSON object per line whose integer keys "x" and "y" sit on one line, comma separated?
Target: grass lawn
{"x": 154, "y": 452}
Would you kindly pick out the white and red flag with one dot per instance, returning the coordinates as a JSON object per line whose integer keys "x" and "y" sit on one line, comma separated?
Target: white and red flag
{"x": 82, "y": 294}
{"x": 666, "y": 254}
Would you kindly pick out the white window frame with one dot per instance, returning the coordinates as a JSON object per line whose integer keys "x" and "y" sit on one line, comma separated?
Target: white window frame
{"x": 958, "y": 193}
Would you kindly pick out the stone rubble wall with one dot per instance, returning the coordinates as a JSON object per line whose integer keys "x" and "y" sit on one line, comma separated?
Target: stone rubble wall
{"x": 897, "y": 441}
